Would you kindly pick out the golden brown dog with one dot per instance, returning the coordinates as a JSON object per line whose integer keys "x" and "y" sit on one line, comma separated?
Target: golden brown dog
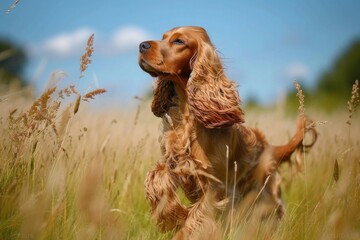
{"x": 206, "y": 150}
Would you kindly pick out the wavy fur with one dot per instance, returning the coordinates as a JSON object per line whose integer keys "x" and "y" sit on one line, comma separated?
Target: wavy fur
{"x": 206, "y": 150}
{"x": 213, "y": 98}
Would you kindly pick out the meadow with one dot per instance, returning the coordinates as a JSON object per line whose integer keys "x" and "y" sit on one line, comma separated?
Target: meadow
{"x": 70, "y": 171}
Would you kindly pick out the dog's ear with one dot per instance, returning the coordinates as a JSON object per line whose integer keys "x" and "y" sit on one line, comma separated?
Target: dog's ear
{"x": 213, "y": 98}
{"x": 163, "y": 94}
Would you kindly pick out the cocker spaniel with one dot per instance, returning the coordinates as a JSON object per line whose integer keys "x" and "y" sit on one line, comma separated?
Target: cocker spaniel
{"x": 206, "y": 150}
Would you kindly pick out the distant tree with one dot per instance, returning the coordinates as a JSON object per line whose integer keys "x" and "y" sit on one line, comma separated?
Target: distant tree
{"x": 334, "y": 86}
{"x": 251, "y": 103}
{"x": 12, "y": 63}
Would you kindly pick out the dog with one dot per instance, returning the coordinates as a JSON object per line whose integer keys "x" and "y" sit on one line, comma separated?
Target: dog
{"x": 206, "y": 149}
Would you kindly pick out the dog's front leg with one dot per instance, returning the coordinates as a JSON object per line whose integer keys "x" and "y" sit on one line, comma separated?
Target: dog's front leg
{"x": 200, "y": 222}
{"x": 160, "y": 188}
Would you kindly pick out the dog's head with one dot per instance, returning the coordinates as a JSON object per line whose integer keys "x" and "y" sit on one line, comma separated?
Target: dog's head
{"x": 185, "y": 56}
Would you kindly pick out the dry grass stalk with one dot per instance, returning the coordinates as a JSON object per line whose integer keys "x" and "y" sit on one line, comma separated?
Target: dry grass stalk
{"x": 336, "y": 171}
{"x": 41, "y": 114}
{"x": 233, "y": 198}
{"x": 61, "y": 94}
{"x": 31, "y": 148}
{"x": 301, "y": 109}
{"x": 139, "y": 98}
{"x": 227, "y": 171}
{"x": 315, "y": 124}
{"x": 55, "y": 78}
{"x": 73, "y": 90}
{"x": 137, "y": 114}
{"x": 44, "y": 99}
{"x": 77, "y": 104}
{"x": 85, "y": 59}
{"x": 65, "y": 117}
{"x": 67, "y": 92}
{"x": 12, "y": 6}
{"x": 92, "y": 94}
{"x": 353, "y": 103}
{"x": 301, "y": 97}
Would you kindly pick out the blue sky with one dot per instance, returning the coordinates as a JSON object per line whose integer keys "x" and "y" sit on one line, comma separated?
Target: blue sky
{"x": 264, "y": 45}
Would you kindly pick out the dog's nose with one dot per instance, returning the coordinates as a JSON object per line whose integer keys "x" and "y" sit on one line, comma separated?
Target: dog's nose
{"x": 144, "y": 46}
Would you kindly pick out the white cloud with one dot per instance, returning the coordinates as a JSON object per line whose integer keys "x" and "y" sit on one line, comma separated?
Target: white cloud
{"x": 66, "y": 44}
{"x": 73, "y": 43}
{"x": 128, "y": 38}
{"x": 297, "y": 71}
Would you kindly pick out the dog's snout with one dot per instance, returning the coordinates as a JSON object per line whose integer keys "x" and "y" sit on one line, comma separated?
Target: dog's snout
{"x": 144, "y": 46}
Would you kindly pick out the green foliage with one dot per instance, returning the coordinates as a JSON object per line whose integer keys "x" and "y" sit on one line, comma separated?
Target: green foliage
{"x": 333, "y": 88}
{"x": 12, "y": 63}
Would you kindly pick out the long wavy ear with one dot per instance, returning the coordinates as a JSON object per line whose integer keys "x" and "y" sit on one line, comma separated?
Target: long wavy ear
{"x": 163, "y": 97}
{"x": 213, "y": 98}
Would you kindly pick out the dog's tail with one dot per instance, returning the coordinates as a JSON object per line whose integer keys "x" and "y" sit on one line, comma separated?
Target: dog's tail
{"x": 284, "y": 152}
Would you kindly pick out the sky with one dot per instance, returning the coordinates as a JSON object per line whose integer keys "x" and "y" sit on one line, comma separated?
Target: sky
{"x": 264, "y": 45}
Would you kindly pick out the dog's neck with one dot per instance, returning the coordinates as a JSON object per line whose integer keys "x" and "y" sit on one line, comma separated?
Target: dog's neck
{"x": 180, "y": 90}
{"x": 183, "y": 103}
{"x": 183, "y": 128}
{"x": 180, "y": 83}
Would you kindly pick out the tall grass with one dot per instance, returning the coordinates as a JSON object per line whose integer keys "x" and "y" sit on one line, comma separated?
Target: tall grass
{"x": 71, "y": 172}
{"x": 86, "y": 181}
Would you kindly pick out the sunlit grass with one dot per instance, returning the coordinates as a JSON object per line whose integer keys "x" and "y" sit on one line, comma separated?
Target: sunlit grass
{"x": 92, "y": 186}
{"x": 68, "y": 171}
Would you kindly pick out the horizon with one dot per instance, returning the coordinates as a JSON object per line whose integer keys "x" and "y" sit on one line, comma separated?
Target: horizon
{"x": 264, "y": 47}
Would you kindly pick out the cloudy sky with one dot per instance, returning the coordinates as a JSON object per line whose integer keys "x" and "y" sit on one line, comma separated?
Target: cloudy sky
{"x": 264, "y": 45}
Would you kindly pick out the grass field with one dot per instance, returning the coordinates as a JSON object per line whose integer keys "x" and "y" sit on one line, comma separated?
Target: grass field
{"x": 80, "y": 176}
{"x": 69, "y": 171}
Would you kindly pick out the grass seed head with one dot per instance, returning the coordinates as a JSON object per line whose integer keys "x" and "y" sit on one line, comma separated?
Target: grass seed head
{"x": 92, "y": 94}
{"x": 85, "y": 59}
{"x": 301, "y": 98}
{"x": 354, "y": 101}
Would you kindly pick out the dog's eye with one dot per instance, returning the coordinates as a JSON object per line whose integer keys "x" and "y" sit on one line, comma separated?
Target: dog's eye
{"x": 178, "y": 41}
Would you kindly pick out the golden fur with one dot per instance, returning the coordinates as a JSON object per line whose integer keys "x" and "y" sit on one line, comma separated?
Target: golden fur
{"x": 206, "y": 150}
